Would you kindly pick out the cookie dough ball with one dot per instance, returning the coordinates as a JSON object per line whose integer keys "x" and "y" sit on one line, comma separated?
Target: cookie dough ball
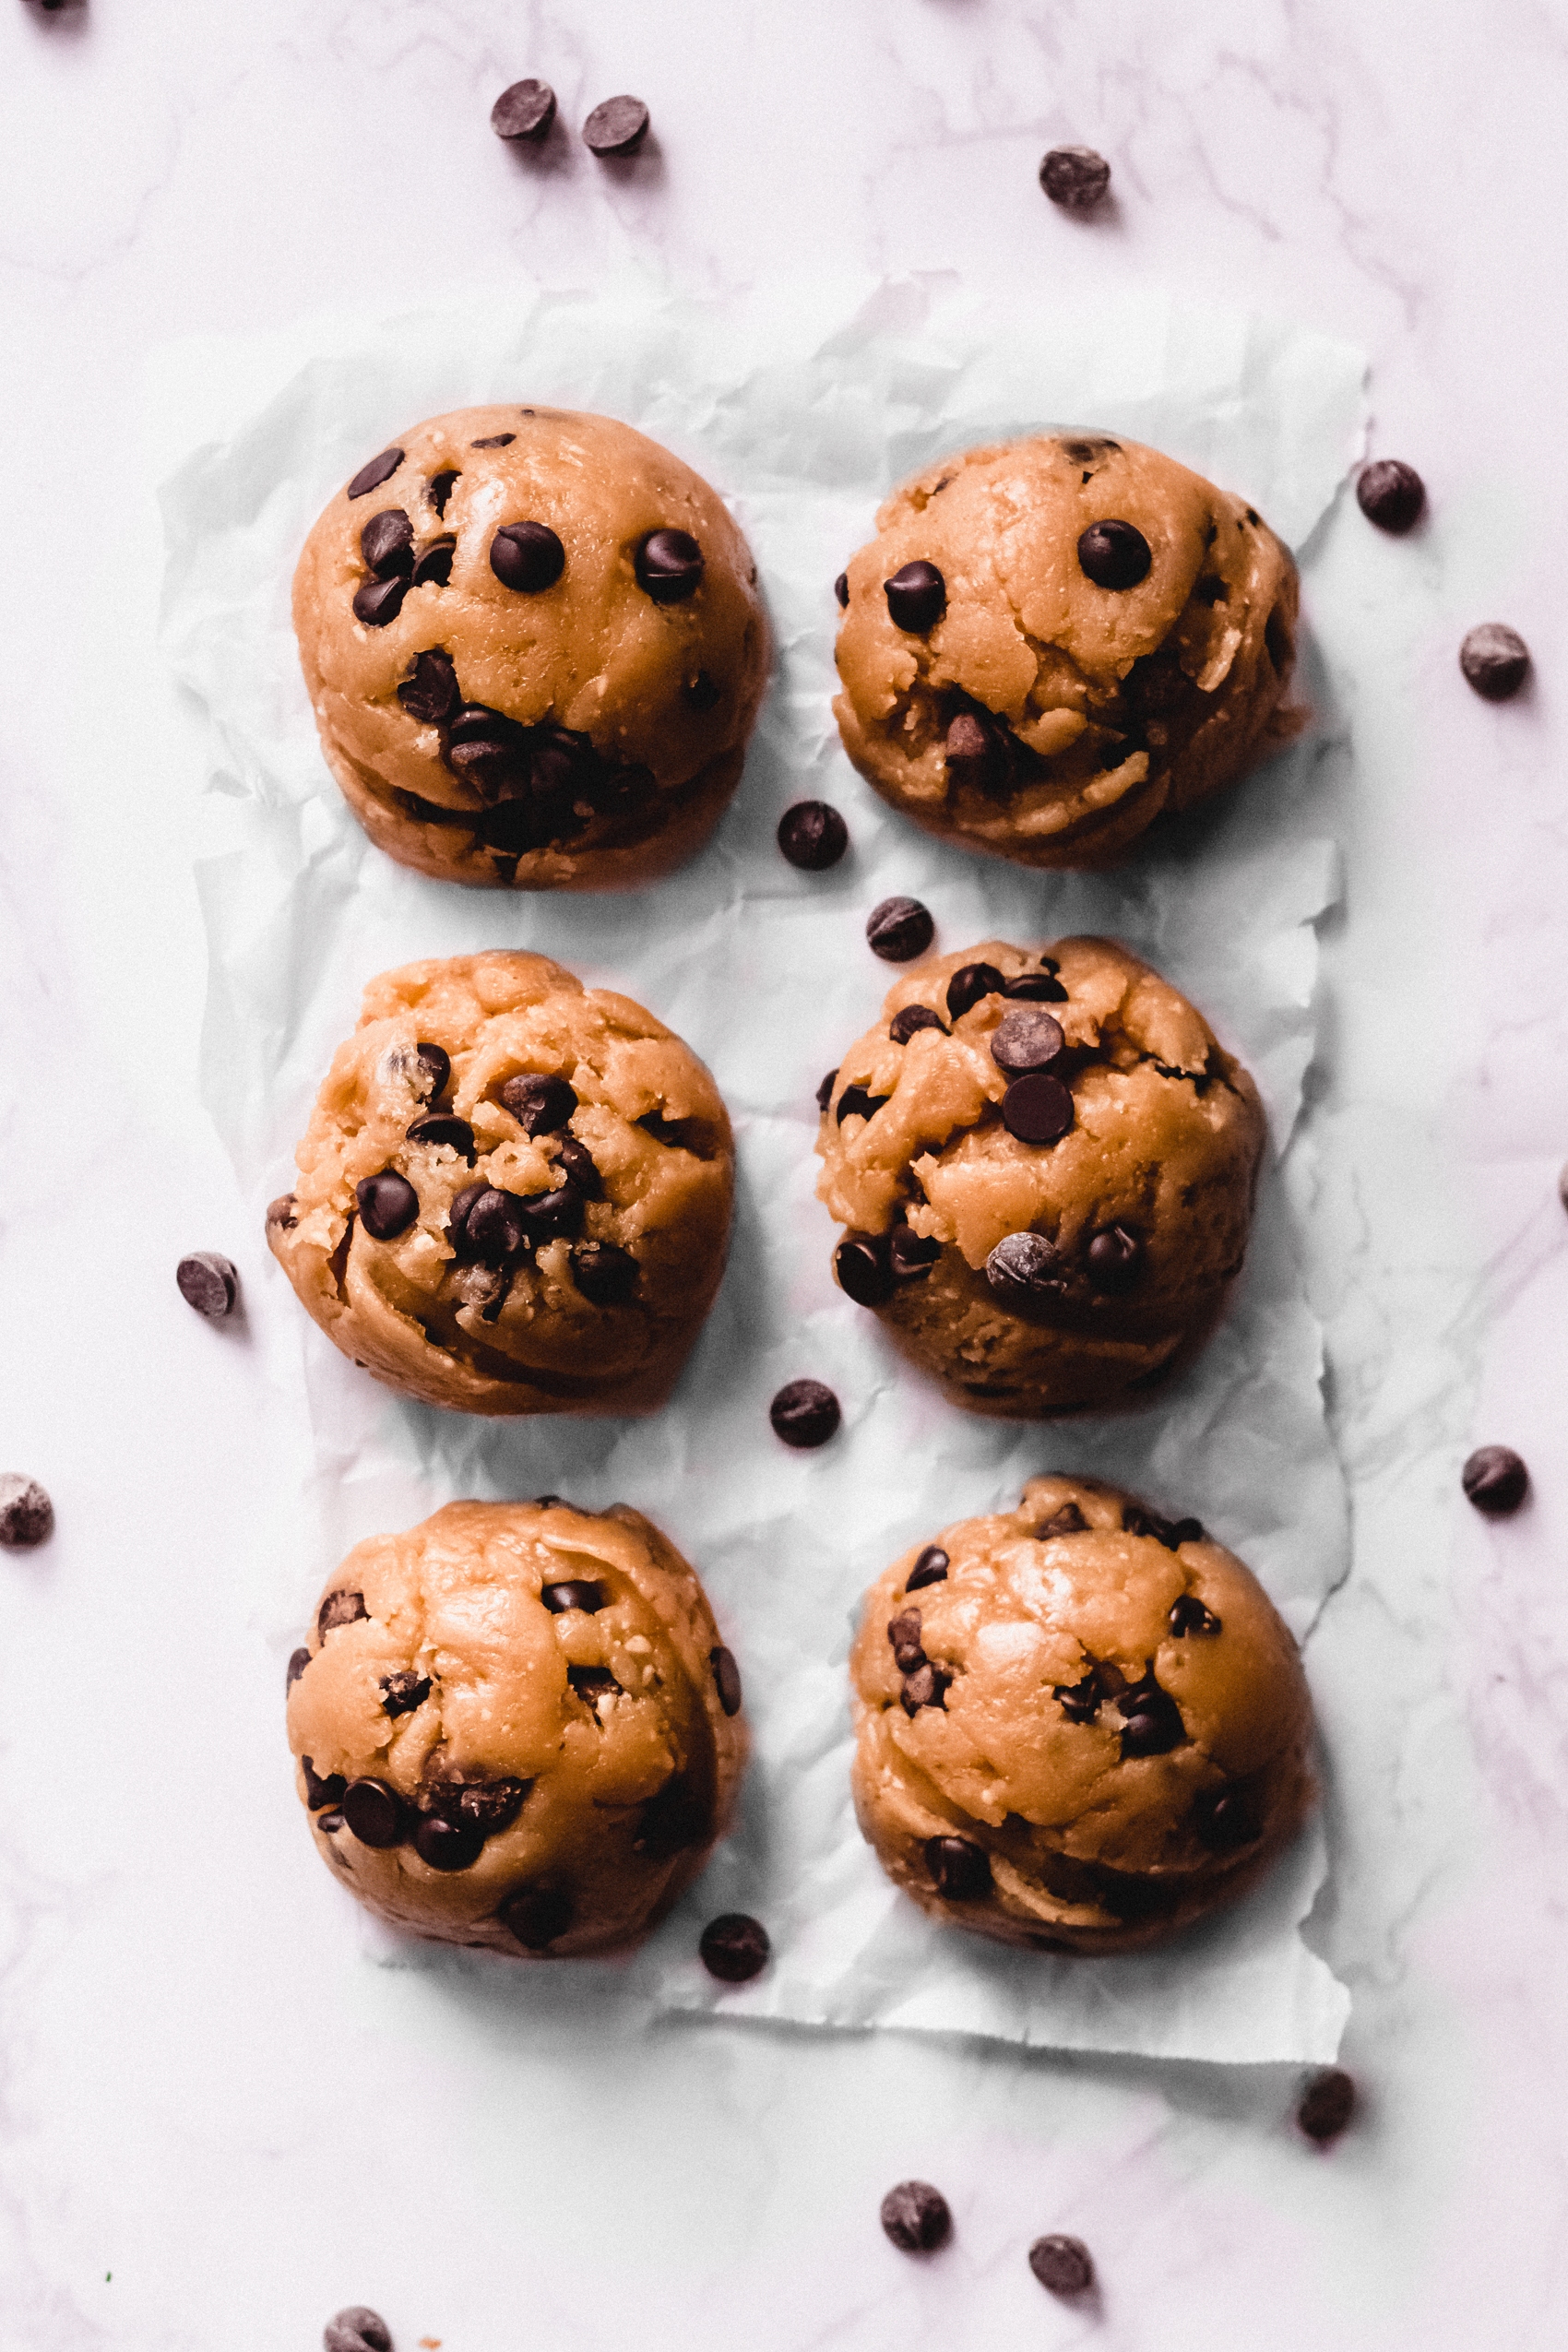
{"x": 513, "y": 1192}
{"x": 1078, "y": 1726}
{"x": 535, "y": 649}
{"x": 1050, "y": 642}
{"x": 516, "y": 1725}
{"x": 1047, "y": 1166}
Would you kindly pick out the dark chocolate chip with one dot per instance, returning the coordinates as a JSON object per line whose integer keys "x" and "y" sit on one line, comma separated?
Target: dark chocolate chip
{"x": 494, "y": 441}
{"x": 440, "y": 1130}
{"x": 704, "y": 692}
{"x": 536, "y": 1916}
{"x": 813, "y": 836}
{"x": 804, "y": 1413}
{"x": 903, "y": 1025}
{"x": 904, "y": 1636}
{"x": 910, "y": 1254}
{"x": 1036, "y": 988}
{"x": 447, "y": 1845}
{"x": 591, "y": 1683}
{"x": 487, "y": 1224}
{"x": 281, "y": 1215}
{"x": 917, "y": 597}
{"x": 485, "y": 1805}
{"x": 1495, "y": 1481}
{"x": 1227, "y": 1819}
{"x": 298, "y": 1661}
{"x": 1326, "y": 2105}
{"x": 389, "y": 1204}
{"x": 734, "y": 1947}
{"x": 606, "y": 1276}
{"x": 321, "y": 1789}
{"x": 528, "y": 557}
{"x": 431, "y": 1071}
{"x": 1062, "y": 2265}
{"x": 899, "y": 929}
{"x": 378, "y": 603}
{"x": 1115, "y": 1260}
{"x": 672, "y": 1821}
{"x": 358, "y": 2329}
{"x": 1391, "y": 495}
{"x": 1076, "y": 177}
{"x": 375, "y": 1811}
{"x": 970, "y": 985}
{"x": 1151, "y": 1720}
{"x": 1114, "y": 554}
{"x": 1023, "y": 1269}
{"x": 855, "y": 1102}
{"x": 863, "y": 1271}
{"x": 1038, "y": 1110}
{"x": 429, "y": 693}
{"x": 978, "y": 753}
{"x": 1188, "y": 1615}
{"x": 434, "y": 567}
{"x": 579, "y": 1592}
{"x": 824, "y": 1091}
{"x": 1138, "y": 1520}
{"x": 1495, "y": 660}
{"x": 1278, "y": 641}
{"x": 926, "y": 1687}
{"x": 916, "y": 2217}
{"x": 441, "y": 489}
{"x": 931, "y": 1568}
{"x": 841, "y": 590}
{"x": 1025, "y": 1042}
{"x": 540, "y": 1104}
{"x": 958, "y": 1869}
{"x": 1081, "y": 1702}
{"x": 669, "y": 566}
{"x": 547, "y": 1216}
{"x": 1068, "y": 1521}
{"x": 371, "y": 477}
{"x": 726, "y": 1678}
{"x": 524, "y": 111}
{"x": 208, "y": 1283}
{"x": 340, "y": 1608}
{"x": 387, "y": 544}
{"x": 401, "y": 1694}
{"x": 616, "y": 126}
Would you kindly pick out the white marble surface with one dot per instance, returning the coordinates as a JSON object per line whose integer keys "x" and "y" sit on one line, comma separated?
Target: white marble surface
{"x": 203, "y": 2143}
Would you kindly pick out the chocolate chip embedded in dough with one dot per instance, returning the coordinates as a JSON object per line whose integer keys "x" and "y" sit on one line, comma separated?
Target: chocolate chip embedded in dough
{"x": 1138, "y": 1520}
{"x": 899, "y": 929}
{"x": 1115, "y": 1260}
{"x": 378, "y": 603}
{"x": 358, "y": 2329}
{"x": 916, "y": 2217}
{"x": 668, "y": 566}
{"x": 379, "y": 469}
{"x": 1081, "y": 1702}
{"x": 1151, "y": 1720}
{"x": 1025, "y": 1042}
{"x": 528, "y": 557}
{"x": 979, "y": 754}
{"x": 1189, "y": 1615}
{"x": 591, "y": 1683}
{"x": 1227, "y": 1819}
{"x": 389, "y": 1204}
{"x": 1495, "y": 660}
{"x": 1068, "y": 1521}
{"x": 548, "y": 1216}
{"x": 904, "y": 1636}
{"x": 841, "y": 590}
{"x": 616, "y": 126}
{"x": 440, "y": 1130}
{"x": 931, "y": 1568}
{"x": 1391, "y": 495}
{"x": 970, "y": 985}
{"x": 856, "y": 1103}
{"x": 606, "y": 1276}
{"x": 488, "y": 1806}
{"x": 1023, "y": 1269}
{"x": 1062, "y": 2265}
{"x": 813, "y": 836}
{"x": 298, "y": 1661}
{"x": 1075, "y": 177}
{"x": 321, "y": 1789}
{"x": 434, "y": 568}
{"x": 430, "y": 692}
{"x": 401, "y": 1694}
{"x": 536, "y": 1916}
{"x": 904, "y": 1024}
{"x": 1495, "y": 1479}
{"x": 440, "y": 488}
{"x": 726, "y": 1678}
{"x": 911, "y": 1254}
{"x": 524, "y": 111}
{"x": 926, "y": 1687}
{"x": 447, "y": 1845}
{"x": 387, "y": 544}
{"x": 958, "y": 1869}
{"x": 487, "y": 1225}
{"x": 280, "y": 1216}
{"x": 734, "y": 1947}
{"x": 1114, "y": 554}
{"x": 540, "y": 1103}
{"x": 494, "y": 441}
{"x": 431, "y": 1071}
{"x": 375, "y": 1812}
{"x": 824, "y": 1089}
{"x": 1038, "y": 1110}
{"x": 578, "y": 1592}
{"x": 863, "y": 1271}
{"x": 1326, "y": 2105}
{"x": 703, "y": 694}
{"x": 1036, "y": 988}
{"x": 340, "y": 1608}
{"x": 917, "y": 597}
{"x": 208, "y": 1283}
{"x": 804, "y": 1413}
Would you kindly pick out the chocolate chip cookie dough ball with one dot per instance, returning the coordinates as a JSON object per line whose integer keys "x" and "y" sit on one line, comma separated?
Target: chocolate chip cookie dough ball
{"x": 513, "y": 1192}
{"x": 1050, "y": 642}
{"x": 516, "y": 1725}
{"x": 1046, "y": 1165}
{"x": 535, "y": 648}
{"x": 1078, "y": 1726}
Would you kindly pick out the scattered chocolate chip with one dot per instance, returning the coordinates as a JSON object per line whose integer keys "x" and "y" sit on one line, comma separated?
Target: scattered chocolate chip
{"x": 841, "y": 590}
{"x": 298, "y": 1661}
{"x": 813, "y": 836}
{"x": 378, "y": 603}
{"x": 441, "y": 1131}
{"x": 371, "y": 477}
{"x": 734, "y": 1947}
{"x": 357, "y": 2330}
{"x": 1189, "y": 1615}
{"x": 916, "y": 2217}
{"x": 1138, "y": 1520}
{"x": 523, "y": 110}
{"x": 389, "y": 1204}
{"x": 726, "y": 1678}
{"x": 387, "y": 544}
{"x": 904, "y": 1636}
{"x": 1391, "y": 495}
{"x": 1115, "y": 1260}
{"x": 931, "y": 1568}
{"x": 1038, "y": 1110}
{"x": 340, "y": 1608}
{"x": 1062, "y": 2265}
{"x": 669, "y": 566}
{"x": 958, "y": 1869}
{"x": 862, "y": 1272}
{"x": 321, "y": 1789}
{"x": 1495, "y": 660}
{"x": 1326, "y": 2105}
{"x": 1025, "y": 1042}
{"x": 487, "y": 1225}
{"x": 825, "y": 1090}
{"x": 977, "y": 752}
{"x": 1114, "y": 554}
{"x": 528, "y": 557}
{"x": 1023, "y": 1269}
{"x": 434, "y": 567}
{"x": 1076, "y": 177}
{"x": 606, "y": 1276}
{"x": 281, "y": 1215}
{"x": 375, "y": 1811}
{"x": 576, "y": 1593}
{"x": 969, "y": 985}
{"x": 917, "y": 597}
{"x": 401, "y": 1694}
{"x": 1227, "y": 1819}
{"x": 1151, "y": 1720}
{"x": 904, "y": 1024}
{"x": 910, "y": 1254}
{"x": 1036, "y": 987}
{"x": 616, "y": 126}
{"x": 704, "y": 692}
{"x": 440, "y": 488}
{"x": 444, "y": 1844}
{"x": 899, "y": 929}
{"x": 1495, "y": 1479}
{"x": 208, "y": 1283}
{"x": 540, "y": 1104}
{"x": 1068, "y": 1521}
{"x": 429, "y": 693}
{"x": 804, "y": 1413}
{"x": 855, "y": 1102}
{"x": 536, "y": 1916}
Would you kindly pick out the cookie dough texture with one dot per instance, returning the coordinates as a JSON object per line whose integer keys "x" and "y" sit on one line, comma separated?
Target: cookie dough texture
{"x": 1084, "y": 711}
{"x": 641, "y": 1171}
{"x": 568, "y": 1767}
{"x": 616, "y": 719}
{"x": 1164, "y": 1148}
{"x": 1121, "y": 1738}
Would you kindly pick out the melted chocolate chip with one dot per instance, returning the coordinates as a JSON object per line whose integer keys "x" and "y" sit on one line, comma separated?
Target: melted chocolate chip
{"x": 704, "y": 692}
{"x": 1036, "y": 987}
{"x": 958, "y": 1869}
{"x": 978, "y": 753}
{"x": 340, "y": 1608}
{"x": 616, "y": 126}
{"x": 1495, "y": 660}
{"x": 917, "y": 597}
{"x": 1062, "y": 2265}
{"x": 1115, "y": 1260}
{"x": 1138, "y": 1520}
{"x": 540, "y": 1104}
{"x": 430, "y": 692}
{"x": 298, "y": 1661}
{"x": 904, "y": 1636}
{"x": 734, "y": 1947}
{"x": 208, "y": 1283}
{"x": 1188, "y": 1615}
{"x": 904, "y": 1024}
{"x": 606, "y": 1276}
{"x": 1077, "y": 178}
{"x": 916, "y": 2216}
{"x": 841, "y": 590}
{"x": 1114, "y": 554}
{"x": 825, "y": 1090}
{"x": 1326, "y": 2105}
{"x": 969, "y": 985}
{"x": 910, "y": 1254}
{"x": 1391, "y": 495}
{"x": 575, "y": 1593}
{"x": 726, "y": 1678}
{"x": 524, "y": 111}
{"x": 669, "y": 566}
{"x": 813, "y": 836}
{"x": 898, "y": 930}
{"x": 536, "y": 1916}
{"x": 389, "y": 1204}
{"x": 672, "y": 1821}
{"x": 358, "y": 2329}
{"x": 861, "y": 1269}
{"x": 526, "y": 557}
{"x": 1068, "y": 1521}
{"x": 1038, "y": 1110}
{"x": 440, "y": 490}
{"x": 434, "y": 567}
{"x": 447, "y": 1845}
{"x": 1496, "y": 1481}
{"x": 1151, "y": 1720}
{"x": 855, "y": 1102}
{"x": 440, "y": 1130}
{"x": 371, "y": 477}
{"x": 804, "y": 1413}
{"x": 1025, "y": 1042}
{"x": 378, "y": 603}
{"x": 401, "y": 1694}
{"x": 375, "y": 1811}
{"x": 1023, "y": 1269}
{"x": 931, "y": 1568}
{"x": 387, "y": 544}
{"x": 321, "y": 1790}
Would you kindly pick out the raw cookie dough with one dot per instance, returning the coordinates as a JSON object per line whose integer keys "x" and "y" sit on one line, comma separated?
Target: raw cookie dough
{"x": 535, "y": 648}
{"x": 1050, "y": 641}
{"x": 513, "y": 1192}
{"x": 1078, "y": 1726}
{"x": 1036, "y": 1277}
{"x": 516, "y": 1725}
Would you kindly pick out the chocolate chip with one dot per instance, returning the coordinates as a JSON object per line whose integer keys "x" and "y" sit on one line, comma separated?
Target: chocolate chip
{"x": 523, "y": 110}
{"x": 1115, "y": 1260}
{"x": 375, "y": 1811}
{"x": 1188, "y": 1615}
{"x": 378, "y": 603}
{"x": 616, "y": 126}
{"x": 916, "y": 2217}
{"x": 969, "y": 985}
{"x": 669, "y": 566}
{"x": 1391, "y": 495}
{"x": 726, "y": 1678}
{"x": 494, "y": 441}
{"x": 804, "y": 1413}
{"x": 917, "y": 597}
{"x": 931, "y": 1568}
{"x": 298, "y": 1661}
{"x": 371, "y": 477}
{"x": 904, "y": 1636}
{"x": 1495, "y": 1481}
{"x": 926, "y": 1687}
{"x": 855, "y": 1102}
{"x": 1036, "y": 987}
{"x": 591, "y": 1683}
{"x": 387, "y": 544}
{"x": 1228, "y": 1819}
{"x": 1081, "y": 1702}
{"x": 540, "y": 1104}
{"x": 862, "y": 1272}
{"x": 1023, "y": 1269}
{"x": 1326, "y": 2105}
{"x": 813, "y": 836}
{"x": 899, "y": 929}
{"x": 1151, "y": 1720}
{"x": 1062, "y": 2266}
{"x": 903, "y": 1025}
{"x": 321, "y": 1789}
{"x": 528, "y": 557}
{"x": 734, "y": 1947}
{"x": 536, "y": 1916}
{"x": 576, "y": 1593}
{"x": 977, "y": 752}
{"x": 485, "y": 1805}
{"x": 1138, "y": 1520}
{"x": 1038, "y": 1110}
{"x": 281, "y": 1217}
{"x": 357, "y": 2330}
{"x": 841, "y": 590}
{"x": 441, "y": 489}
{"x": 1074, "y": 176}
{"x": 431, "y": 1072}
{"x": 1114, "y": 554}
{"x": 673, "y": 1820}
{"x": 958, "y": 1869}
{"x": 447, "y": 1845}
{"x": 491, "y": 1228}
{"x": 440, "y": 1130}
{"x": 825, "y": 1090}
{"x": 340, "y": 1608}
{"x": 704, "y": 692}
{"x": 606, "y": 1276}
{"x": 551, "y": 1503}
{"x": 1025, "y": 1042}
{"x": 429, "y": 693}
{"x": 389, "y": 1204}
{"x": 208, "y": 1283}
{"x": 434, "y": 567}
{"x": 401, "y": 1694}
{"x": 548, "y": 1215}
{"x": 1068, "y": 1521}
{"x": 1495, "y": 660}
{"x": 910, "y": 1254}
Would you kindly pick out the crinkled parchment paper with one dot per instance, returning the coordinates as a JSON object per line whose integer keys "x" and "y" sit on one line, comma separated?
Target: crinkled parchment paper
{"x": 803, "y": 409}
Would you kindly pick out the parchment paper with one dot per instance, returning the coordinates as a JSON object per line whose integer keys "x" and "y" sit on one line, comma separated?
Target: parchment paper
{"x": 803, "y": 408}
